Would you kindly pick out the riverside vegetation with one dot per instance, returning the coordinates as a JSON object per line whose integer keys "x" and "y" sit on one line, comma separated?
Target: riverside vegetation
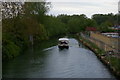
{"x": 32, "y": 22}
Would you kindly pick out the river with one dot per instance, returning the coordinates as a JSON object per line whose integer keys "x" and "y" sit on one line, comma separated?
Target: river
{"x": 75, "y": 62}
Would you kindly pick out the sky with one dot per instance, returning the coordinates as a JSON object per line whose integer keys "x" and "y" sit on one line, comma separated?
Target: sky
{"x": 87, "y": 7}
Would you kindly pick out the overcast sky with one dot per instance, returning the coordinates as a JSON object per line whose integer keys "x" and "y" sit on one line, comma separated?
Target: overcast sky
{"x": 87, "y": 7}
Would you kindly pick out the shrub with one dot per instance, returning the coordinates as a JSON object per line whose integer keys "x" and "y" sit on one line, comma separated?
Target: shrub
{"x": 10, "y": 50}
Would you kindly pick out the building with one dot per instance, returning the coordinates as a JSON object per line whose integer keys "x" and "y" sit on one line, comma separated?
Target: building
{"x": 91, "y": 29}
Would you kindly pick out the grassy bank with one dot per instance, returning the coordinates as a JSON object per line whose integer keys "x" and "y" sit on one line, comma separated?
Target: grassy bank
{"x": 113, "y": 63}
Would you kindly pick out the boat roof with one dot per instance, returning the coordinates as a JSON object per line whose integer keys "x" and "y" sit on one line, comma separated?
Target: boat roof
{"x": 61, "y": 39}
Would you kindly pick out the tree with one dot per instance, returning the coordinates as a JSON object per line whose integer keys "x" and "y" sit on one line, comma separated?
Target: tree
{"x": 11, "y": 9}
{"x": 36, "y": 10}
{"x": 54, "y": 26}
{"x": 20, "y": 24}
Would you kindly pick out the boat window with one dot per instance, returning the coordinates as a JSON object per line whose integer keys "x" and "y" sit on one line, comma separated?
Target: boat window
{"x": 63, "y": 42}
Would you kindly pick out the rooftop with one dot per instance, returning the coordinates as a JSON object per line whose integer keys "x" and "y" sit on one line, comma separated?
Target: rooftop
{"x": 66, "y": 39}
{"x": 91, "y": 29}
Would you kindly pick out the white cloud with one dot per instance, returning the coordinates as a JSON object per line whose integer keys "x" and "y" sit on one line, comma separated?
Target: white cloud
{"x": 82, "y": 0}
{"x": 87, "y": 7}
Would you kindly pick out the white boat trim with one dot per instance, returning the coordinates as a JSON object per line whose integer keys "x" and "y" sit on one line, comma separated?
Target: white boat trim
{"x": 63, "y": 39}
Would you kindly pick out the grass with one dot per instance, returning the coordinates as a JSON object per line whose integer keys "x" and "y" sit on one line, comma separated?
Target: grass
{"x": 114, "y": 62}
{"x": 92, "y": 45}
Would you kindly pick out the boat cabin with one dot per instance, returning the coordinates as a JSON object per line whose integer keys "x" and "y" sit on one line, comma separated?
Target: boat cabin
{"x": 63, "y": 43}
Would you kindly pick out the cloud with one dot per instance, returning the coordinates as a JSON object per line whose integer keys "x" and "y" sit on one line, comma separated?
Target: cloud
{"x": 87, "y": 7}
{"x": 82, "y": 0}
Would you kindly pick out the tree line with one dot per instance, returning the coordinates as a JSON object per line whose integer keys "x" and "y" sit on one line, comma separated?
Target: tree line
{"x": 22, "y": 22}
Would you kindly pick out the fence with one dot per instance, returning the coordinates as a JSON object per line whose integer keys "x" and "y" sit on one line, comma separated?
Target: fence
{"x": 104, "y": 42}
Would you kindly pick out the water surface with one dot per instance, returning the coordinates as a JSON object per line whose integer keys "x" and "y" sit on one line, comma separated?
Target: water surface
{"x": 75, "y": 62}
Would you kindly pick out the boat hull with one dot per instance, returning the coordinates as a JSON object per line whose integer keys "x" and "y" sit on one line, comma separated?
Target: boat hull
{"x": 62, "y": 47}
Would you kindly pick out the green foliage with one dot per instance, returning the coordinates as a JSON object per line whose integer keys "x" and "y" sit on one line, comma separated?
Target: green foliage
{"x": 105, "y": 21}
{"x": 75, "y": 25}
{"x": 17, "y": 30}
{"x": 36, "y": 10}
{"x": 10, "y": 50}
{"x": 64, "y": 18}
{"x": 54, "y": 26}
{"x": 78, "y": 23}
{"x": 114, "y": 62}
{"x": 100, "y": 18}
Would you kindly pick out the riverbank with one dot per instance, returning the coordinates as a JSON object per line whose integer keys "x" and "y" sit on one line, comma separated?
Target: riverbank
{"x": 18, "y": 49}
{"x": 111, "y": 62}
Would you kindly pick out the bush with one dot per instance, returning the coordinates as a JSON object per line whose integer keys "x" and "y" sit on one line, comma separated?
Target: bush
{"x": 10, "y": 50}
